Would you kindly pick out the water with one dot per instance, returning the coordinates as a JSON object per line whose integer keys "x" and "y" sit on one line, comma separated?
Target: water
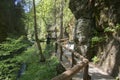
{"x": 22, "y": 70}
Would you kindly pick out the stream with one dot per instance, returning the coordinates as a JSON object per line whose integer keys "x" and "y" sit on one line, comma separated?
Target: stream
{"x": 21, "y": 70}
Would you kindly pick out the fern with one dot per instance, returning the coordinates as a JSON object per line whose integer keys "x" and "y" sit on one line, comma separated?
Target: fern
{"x": 10, "y": 65}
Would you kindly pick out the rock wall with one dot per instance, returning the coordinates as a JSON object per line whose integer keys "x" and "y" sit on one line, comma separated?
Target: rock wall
{"x": 105, "y": 25}
{"x": 82, "y": 11}
{"x": 109, "y": 54}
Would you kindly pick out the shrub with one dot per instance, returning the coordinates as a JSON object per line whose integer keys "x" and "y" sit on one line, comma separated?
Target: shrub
{"x": 95, "y": 59}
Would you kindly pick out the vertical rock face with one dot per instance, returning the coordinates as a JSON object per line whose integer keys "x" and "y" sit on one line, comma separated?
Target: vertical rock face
{"x": 109, "y": 52}
{"x": 106, "y": 18}
{"x": 82, "y": 10}
{"x": 111, "y": 58}
{"x": 82, "y": 35}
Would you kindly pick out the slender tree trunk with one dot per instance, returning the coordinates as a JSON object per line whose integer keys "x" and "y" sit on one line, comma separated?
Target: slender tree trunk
{"x": 42, "y": 58}
{"x": 56, "y": 46}
{"x": 55, "y": 12}
{"x": 61, "y": 19}
{"x": 61, "y": 27}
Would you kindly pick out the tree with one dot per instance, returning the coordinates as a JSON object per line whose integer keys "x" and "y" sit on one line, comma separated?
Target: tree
{"x": 11, "y": 19}
{"x": 61, "y": 27}
{"x": 42, "y": 58}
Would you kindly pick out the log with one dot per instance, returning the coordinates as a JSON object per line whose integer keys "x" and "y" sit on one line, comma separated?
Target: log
{"x": 67, "y": 75}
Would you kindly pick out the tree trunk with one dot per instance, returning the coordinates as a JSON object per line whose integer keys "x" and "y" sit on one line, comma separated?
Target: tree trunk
{"x": 61, "y": 28}
{"x": 42, "y": 58}
{"x": 55, "y": 18}
{"x": 55, "y": 12}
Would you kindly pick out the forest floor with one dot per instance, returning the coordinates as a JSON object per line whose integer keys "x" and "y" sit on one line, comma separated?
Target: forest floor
{"x": 94, "y": 71}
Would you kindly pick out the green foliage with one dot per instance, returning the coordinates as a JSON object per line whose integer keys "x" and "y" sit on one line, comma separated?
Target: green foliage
{"x": 41, "y": 71}
{"x": 12, "y": 44}
{"x": 37, "y": 70}
{"x": 114, "y": 29}
{"x": 117, "y": 27}
{"x": 26, "y": 56}
{"x": 97, "y": 39}
{"x": 108, "y": 29}
{"x": 95, "y": 59}
{"x": 9, "y": 61}
{"x": 45, "y": 12}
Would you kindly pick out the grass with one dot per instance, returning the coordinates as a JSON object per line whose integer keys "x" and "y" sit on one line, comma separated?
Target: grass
{"x": 37, "y": 70}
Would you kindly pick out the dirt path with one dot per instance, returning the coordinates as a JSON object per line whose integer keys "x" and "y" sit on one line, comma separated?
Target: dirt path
{"x": 96, "y": 73}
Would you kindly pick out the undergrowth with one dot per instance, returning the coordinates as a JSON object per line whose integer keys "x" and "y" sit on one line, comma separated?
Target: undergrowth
{"x": 15, "y": 52}
{"x": 40, "y": 71}
{"x": 9, "y": 64}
